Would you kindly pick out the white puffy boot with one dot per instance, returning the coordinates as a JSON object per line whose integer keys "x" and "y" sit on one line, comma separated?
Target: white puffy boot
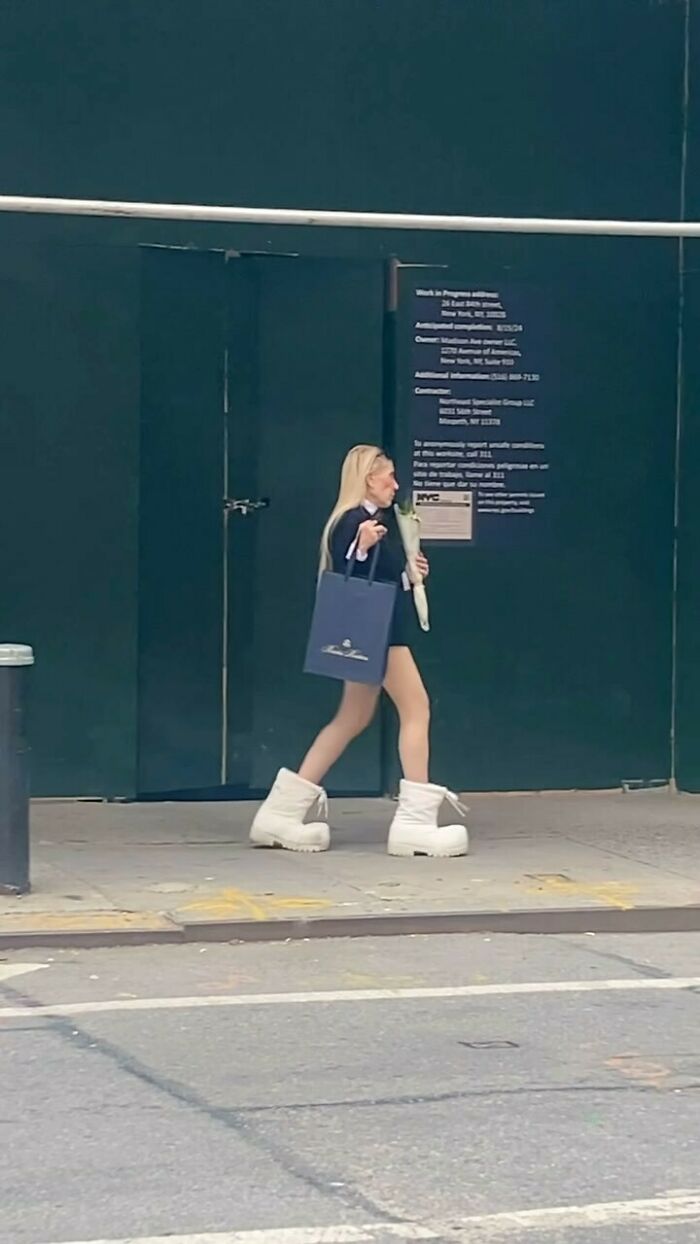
{"x": 281, "y": 820}
{"x": 415, "y": 829}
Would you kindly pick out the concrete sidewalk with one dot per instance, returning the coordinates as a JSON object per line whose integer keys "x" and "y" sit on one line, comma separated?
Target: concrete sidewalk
{"x": 111, "y": 873}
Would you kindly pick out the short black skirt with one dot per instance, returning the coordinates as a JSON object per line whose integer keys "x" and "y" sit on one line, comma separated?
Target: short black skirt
{"x": 405, "y": 622}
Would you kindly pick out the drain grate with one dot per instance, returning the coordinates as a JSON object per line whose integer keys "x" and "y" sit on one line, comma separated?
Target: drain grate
{"x": 490, "y": 1045}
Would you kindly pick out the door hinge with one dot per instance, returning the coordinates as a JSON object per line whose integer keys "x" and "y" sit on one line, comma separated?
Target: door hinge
{"x": 244, "y": 506}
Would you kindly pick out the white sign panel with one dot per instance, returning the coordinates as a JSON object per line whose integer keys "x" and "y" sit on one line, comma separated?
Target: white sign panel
{"x": 445, "y": 515}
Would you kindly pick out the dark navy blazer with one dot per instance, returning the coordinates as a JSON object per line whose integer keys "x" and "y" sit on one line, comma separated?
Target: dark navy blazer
{"x": 392, "y": 558}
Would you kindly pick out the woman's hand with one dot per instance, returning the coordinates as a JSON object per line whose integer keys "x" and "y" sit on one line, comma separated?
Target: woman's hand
{"x": 422, "y": 565}
{"x": 369, "y": 533}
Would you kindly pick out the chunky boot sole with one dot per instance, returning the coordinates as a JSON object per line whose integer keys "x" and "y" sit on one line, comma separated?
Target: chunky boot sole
{"x": 271, "y": 838}
{"x": 444, "y": 847}
{"x": 405, "y": 849}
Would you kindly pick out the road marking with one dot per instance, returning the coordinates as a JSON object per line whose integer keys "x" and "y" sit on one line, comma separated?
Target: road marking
{"x": 681, "y": 1206}
{"x": 8, "y": 970}
{"x": 289, "y": 1235}
{"x": 350, "y": 995}
{"x": 639, "y": 1069}
{"x": 667, "y": 1207}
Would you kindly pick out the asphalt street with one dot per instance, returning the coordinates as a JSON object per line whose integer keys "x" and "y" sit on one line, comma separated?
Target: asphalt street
{"x": 464, "y": 1089}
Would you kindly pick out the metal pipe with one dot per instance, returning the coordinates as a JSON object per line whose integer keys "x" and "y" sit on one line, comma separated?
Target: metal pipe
{"x": 14, "y": 769}
{"x": 347, "y": 220}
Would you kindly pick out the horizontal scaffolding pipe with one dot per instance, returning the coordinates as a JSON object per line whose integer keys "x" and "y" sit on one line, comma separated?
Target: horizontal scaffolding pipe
{"x": 347, "y": 220}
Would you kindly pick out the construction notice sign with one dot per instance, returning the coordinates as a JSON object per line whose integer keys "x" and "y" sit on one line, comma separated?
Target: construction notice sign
{"x": 480, "y": 409}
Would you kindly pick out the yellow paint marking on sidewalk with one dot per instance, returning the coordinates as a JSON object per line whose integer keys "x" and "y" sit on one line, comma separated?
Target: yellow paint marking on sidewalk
{"x": 82, "y": 922}
{"x": 612, "y": 893}
{"x": 234, "y": 902}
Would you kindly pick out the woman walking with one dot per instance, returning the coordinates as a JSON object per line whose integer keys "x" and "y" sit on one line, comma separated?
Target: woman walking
{"x": 361, "y": 519}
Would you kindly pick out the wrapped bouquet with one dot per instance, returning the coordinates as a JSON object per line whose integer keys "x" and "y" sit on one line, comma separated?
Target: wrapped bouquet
{"x": 409, "y": 528}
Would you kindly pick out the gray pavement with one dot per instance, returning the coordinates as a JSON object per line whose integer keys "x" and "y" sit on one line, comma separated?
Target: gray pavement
{"x": 165, "y": 866}
{"x": 375, "y": 1113}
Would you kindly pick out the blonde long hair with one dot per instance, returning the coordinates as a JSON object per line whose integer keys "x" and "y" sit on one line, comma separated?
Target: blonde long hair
{"x": 359, "y": 464}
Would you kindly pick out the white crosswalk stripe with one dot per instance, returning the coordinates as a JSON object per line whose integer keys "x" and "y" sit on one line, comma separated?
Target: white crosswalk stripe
{"x": 673, "y": 984}
{"x": 9, "y": 970}
{"x": 681, "y": 1207}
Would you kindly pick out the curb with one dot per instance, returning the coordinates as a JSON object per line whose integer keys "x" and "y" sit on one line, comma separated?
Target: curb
{"x": 166, "y": 932}
{"x": 173, "y": 932}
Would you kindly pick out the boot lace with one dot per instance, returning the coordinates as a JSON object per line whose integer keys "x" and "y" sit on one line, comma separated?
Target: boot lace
{"x": 322, "y": 805}
{"x": 456, "y": 803}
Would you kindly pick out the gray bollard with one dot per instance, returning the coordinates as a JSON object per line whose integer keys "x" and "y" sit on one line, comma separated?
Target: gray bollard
{"x": 14, "y": 769}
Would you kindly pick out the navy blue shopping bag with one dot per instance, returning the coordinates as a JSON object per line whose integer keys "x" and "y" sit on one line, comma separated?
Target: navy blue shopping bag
{"x": 349, "y": 636}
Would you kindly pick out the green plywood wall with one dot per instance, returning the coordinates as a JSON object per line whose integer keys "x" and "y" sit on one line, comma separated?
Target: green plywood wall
{"x": 552, "y": 107}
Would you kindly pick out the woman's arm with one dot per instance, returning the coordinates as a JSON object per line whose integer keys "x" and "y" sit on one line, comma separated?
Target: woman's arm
{"x": 354, "y": 532}
{"x": 343, "y": 536}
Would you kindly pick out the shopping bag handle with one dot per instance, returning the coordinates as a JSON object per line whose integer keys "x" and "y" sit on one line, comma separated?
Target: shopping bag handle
{"x": 372, "y": 563}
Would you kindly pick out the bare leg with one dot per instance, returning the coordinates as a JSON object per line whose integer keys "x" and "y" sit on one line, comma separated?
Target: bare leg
{"x": 354, "y": 714}
{"x": 404, "y": 685}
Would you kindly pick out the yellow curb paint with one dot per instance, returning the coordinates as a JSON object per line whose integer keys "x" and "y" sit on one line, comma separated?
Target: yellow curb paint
{"x": 234, "y": 902}
{"x": 83, "y": 922}
{"x": 612, "y": 893}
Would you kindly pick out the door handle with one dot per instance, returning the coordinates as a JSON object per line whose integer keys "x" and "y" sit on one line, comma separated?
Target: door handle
{"x": 244, "y": 505}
